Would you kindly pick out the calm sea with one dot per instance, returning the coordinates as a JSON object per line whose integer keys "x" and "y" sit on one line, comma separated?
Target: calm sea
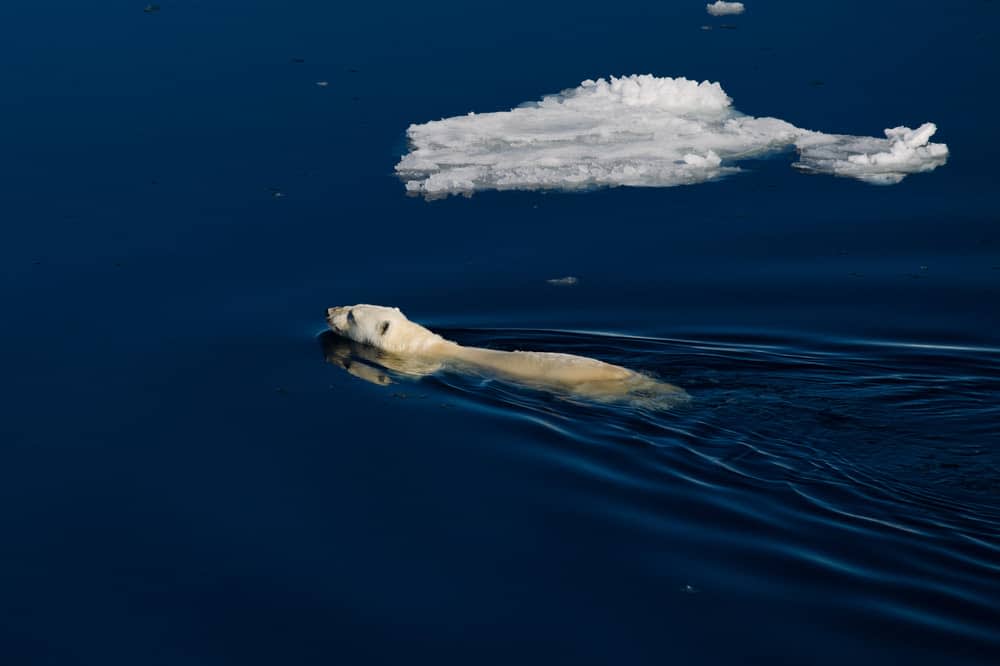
{"x": 185, "y": 479}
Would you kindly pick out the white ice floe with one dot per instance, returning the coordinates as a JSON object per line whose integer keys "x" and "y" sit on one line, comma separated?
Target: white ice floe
{"x": 637, "y": 130}
{"x": 721, "y": 8}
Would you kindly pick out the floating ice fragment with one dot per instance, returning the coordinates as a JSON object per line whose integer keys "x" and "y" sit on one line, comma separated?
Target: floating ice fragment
{"x": 721, "y": 8}
{"x": 638, "y": 130}
{"x": 880, "y": 161}
{"x": 567, "y": 281}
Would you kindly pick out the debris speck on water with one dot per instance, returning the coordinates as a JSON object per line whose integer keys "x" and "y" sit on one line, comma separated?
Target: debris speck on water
{"x": 322, "y": 84}
{"x": 151, "y": 8}
{"x": 567, "y": 281}
{"x": 298, "y": 61}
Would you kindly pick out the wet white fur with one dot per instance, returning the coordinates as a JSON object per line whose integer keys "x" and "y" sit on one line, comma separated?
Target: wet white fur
{"x": 388, "y": 329}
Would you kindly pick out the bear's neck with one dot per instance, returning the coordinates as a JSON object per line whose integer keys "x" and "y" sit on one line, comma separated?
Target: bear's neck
{"x": 477, "y": 356}
{"x": 441, "y": 347}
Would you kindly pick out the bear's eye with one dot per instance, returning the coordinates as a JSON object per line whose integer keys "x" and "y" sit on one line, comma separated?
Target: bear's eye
{"x": 383, "y": 327}
{"x": 350, "y": 316}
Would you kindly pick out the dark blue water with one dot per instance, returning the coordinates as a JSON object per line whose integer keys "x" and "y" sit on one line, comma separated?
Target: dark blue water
{"x": 185, "y": 479}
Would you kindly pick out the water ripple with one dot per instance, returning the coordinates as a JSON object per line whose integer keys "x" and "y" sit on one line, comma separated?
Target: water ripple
{"x": 867, "y": 469}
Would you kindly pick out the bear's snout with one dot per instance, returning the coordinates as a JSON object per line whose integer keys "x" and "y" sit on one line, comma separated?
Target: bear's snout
{"x": 335, "y": 318}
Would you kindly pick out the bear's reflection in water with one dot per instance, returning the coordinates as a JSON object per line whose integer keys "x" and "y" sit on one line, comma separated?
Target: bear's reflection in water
{"x": 384, "y": 368}
{"x": 371, "y": 364}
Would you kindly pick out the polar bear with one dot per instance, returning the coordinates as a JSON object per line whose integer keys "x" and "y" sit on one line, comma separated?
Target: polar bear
{"x": 408, "y": 348}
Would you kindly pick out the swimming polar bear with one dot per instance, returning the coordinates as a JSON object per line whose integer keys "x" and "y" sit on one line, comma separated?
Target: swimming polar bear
{"x": 410, "y": 349}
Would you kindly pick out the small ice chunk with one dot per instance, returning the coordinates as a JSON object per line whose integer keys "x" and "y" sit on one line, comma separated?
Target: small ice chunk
{"x": 322, "y": 84}
{"x": 567, "y": 281}
{"x": 880, "y": 161}
{"x": 722, "y": 8}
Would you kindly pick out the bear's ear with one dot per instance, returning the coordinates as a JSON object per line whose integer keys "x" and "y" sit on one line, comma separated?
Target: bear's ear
{"x": 383, "y": 327}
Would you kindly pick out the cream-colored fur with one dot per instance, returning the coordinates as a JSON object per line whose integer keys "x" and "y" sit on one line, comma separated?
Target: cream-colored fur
{"x": 411, "y": 349}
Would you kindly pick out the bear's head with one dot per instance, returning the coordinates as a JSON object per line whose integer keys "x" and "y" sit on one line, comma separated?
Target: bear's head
{"x": 384, "y": 328}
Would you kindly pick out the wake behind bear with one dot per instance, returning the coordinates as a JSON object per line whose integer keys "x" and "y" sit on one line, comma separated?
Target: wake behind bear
{"x": 410, "y": 349}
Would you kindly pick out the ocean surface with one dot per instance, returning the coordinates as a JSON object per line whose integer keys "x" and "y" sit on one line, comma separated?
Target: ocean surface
{"x": 188, "y": 475}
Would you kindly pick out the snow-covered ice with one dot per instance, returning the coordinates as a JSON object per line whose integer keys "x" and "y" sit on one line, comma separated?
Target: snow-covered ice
{"x": 638, "y": 130}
